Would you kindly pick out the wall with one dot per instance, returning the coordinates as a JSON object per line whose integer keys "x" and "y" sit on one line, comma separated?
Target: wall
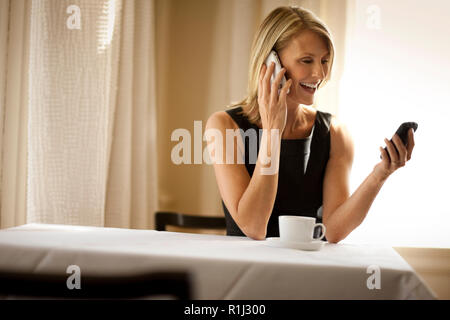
{"x": 184, "y": 51}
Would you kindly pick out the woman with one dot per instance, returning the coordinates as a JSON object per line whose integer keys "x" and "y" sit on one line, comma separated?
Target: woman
{"x": 313, "y": 154}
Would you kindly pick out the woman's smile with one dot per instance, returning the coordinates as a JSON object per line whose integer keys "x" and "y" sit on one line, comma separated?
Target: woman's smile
{"x": 309, "y": 88}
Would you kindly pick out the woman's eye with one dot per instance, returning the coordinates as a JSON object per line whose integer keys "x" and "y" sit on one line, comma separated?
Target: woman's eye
{"x": 310, "y": 61}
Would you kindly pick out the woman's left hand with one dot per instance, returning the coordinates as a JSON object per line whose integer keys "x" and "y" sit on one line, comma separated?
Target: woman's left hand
{"x": 394, "y": 160}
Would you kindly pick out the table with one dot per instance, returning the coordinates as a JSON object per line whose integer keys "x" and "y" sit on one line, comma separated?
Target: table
{"x": 222, "y": 267}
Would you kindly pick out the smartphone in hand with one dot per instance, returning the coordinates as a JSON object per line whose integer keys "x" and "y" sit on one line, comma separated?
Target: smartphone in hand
{"x": 402, "y": 132}
{"x": 273, "y": 57}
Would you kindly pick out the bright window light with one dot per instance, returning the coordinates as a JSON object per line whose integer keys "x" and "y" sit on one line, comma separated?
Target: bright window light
{"x": 397, "y": 70}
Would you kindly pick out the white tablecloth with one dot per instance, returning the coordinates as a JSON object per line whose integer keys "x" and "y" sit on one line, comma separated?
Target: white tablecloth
{"x": 222, "y": 267}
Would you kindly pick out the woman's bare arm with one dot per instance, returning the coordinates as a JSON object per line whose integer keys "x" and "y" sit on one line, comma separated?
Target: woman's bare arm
{"x": 250, "y": 200}
{"x": 341, "y": 213}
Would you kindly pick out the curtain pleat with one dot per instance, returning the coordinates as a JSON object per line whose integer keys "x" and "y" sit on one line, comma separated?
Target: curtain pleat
{"x": 132, "y": 181}
{"x": 14, "y": 53}
{"x": 87, "y": 119}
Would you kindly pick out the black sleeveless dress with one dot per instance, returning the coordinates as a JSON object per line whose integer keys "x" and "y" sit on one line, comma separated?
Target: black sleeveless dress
{"x": 300, "y": 176}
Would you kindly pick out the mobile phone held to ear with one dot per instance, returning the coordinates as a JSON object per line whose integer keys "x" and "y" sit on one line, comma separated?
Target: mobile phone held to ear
{"x": 402, "y": 132}
{"x": 273, "y": 57}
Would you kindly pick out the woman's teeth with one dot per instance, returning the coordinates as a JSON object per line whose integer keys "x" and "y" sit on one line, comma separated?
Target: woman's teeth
{"x": 310, "y": 88}
{"x": 309, "y": 85}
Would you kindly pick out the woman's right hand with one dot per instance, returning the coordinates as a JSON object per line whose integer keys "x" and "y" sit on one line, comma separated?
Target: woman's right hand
{"x": 272, "y": 107}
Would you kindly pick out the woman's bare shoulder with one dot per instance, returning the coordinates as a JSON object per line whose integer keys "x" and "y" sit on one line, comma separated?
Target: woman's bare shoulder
{"x": 337, "y": 126}
{"x": 341, "y": 139}
{"x": 220, "y": 120}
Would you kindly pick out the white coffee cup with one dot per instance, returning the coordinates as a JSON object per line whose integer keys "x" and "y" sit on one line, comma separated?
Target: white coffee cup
{"x": 298, "y": 228}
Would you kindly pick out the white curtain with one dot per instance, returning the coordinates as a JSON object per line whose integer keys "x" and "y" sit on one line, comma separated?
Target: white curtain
{"x": 70, "y": 111}
{"x": 77, "y": 94}
{"x": 132, "y": 196}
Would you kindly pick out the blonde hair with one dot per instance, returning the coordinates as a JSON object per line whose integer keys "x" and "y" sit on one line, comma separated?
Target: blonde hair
{"x": 275, "y": 32}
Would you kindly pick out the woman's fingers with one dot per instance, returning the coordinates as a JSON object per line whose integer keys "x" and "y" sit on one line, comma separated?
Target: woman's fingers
{"x": 402, "y": 152}
{"x": 275, "y": 86}
{"x": 271, "y": 100}
{"x": 267, "y": 76}
{"x": 410, "y": 145}
{"x": 261, "y": 78}
{"x": 264, "y": 90}
{"x": 284, "y": 90}
{"x": 384, "y": 155}
{"x": 261, "y": 87}
{"x": 396, "y": 154}
{"x": 393, "y": 155}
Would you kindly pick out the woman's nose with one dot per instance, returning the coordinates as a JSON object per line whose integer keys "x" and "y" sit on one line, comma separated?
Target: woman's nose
{"x": 318, "y": 70}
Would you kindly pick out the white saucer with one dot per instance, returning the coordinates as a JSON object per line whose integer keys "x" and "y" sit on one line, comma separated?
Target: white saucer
{"x": 314, "y": 245}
